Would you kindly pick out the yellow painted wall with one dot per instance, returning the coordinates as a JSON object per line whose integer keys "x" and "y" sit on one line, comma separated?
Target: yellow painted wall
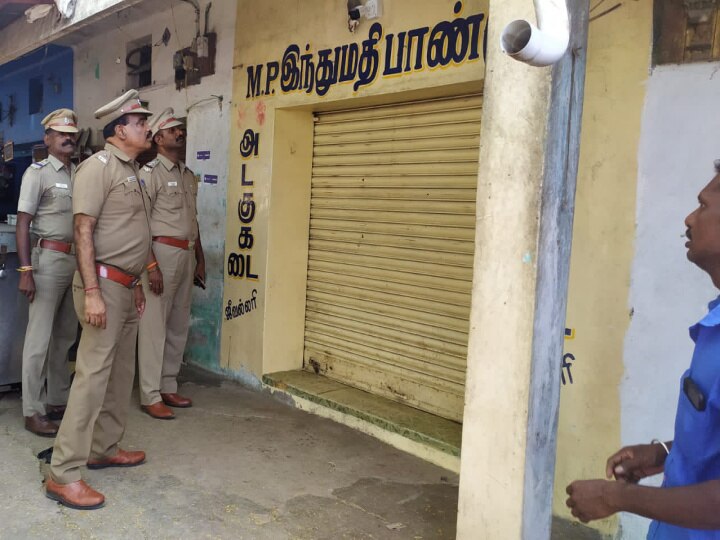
{"x": 602, "y": 251}
{"x": 263, "y": 316}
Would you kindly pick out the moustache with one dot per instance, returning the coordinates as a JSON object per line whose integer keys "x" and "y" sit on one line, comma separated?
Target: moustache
{"x": 70, "y": 143}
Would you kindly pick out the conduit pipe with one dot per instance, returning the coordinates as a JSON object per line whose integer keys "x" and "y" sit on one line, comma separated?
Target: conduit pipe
{"x": 540, "y": 45}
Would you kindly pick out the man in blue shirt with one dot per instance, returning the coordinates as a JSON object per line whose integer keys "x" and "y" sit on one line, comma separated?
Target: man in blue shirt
{"x": 687, "y": 506}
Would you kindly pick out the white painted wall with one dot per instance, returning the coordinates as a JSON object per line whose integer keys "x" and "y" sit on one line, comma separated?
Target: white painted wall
{"x": 99, "y": 77}
{"x": 679, "y": 141}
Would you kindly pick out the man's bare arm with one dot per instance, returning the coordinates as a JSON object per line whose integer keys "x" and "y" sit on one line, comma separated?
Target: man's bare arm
{"x": 85, "y": 250}
{"x": 22, "y": 236}
{"x": 694, "y": 507}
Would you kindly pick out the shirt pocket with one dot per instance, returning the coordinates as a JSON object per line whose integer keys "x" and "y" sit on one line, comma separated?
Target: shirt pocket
{"x": 60, "y": 199}
{"x": 696, "y": 432}
{"x": 133, "y": 196}
{"x": 174, "y": 196}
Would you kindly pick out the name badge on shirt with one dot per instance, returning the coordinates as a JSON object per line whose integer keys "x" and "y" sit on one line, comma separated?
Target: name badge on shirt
{"x": 131, "y": 179}
{"x": 63, "y": 186}
{"x": 172, "y": 184}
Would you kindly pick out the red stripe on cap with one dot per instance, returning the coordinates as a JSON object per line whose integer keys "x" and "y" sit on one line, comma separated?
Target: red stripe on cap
{"x": 131, "y": 108}
{"x": 166, "y": 122}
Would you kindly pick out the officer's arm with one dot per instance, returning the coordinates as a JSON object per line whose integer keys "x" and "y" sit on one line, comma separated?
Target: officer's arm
{"x": 199, "y": 257}
{"x": 22, "y": 236}
{"x": 95, "y": 311}
{"x": 85, "y": 249}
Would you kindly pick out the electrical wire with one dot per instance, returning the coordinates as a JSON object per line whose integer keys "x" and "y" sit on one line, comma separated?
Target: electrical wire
{"x": 177, "y": 38}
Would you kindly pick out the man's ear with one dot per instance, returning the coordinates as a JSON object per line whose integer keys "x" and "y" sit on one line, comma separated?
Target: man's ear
{"x": 120, "y": 132}
{"x": 46, "y": 139}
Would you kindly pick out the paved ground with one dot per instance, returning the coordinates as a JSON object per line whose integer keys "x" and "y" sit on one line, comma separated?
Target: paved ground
{"x": 239, "y": 464}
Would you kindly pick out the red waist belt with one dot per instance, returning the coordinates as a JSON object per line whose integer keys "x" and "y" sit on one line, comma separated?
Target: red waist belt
{"x": 55, "y": 245}
{"x": 174, "y": 242}
{"x": 116, "y": 275}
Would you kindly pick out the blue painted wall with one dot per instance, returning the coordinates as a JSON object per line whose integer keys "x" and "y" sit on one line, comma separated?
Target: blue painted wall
{"x": 54, "y": 65}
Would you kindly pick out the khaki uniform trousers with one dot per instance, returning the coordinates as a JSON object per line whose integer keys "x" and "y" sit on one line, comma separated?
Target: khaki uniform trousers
{"x": 97, "y": 410}
{"x": 164, "y": 327}
{"x": 51, "y": 332}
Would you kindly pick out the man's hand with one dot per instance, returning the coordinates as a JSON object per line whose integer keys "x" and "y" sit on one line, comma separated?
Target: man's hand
{"x": 156, "y": 280}
{"x": 592, "y": 499}
{"x": 633, "y": 463}
{"x": 95, "y": 313}
{"x": 27, "y": 285}
{"x": 140, "y": 300}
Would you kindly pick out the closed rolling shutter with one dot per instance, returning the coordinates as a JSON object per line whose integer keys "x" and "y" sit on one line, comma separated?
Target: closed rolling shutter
{"x": 392, "y": 227}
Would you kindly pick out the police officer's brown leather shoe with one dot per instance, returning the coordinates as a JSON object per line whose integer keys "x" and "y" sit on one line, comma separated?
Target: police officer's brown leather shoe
{"x": 123, "y": 458}
{"x": 176, "y": 400}
{"x": 40, "y": 425}
{"x": 77, "y": 495}
{"x": 55, "y": 412}
{"x": 158, "y": 410}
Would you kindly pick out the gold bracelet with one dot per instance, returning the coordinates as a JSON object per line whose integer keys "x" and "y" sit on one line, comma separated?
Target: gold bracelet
{"x": 24, "y": 269}
{"x": 656, "y": 441}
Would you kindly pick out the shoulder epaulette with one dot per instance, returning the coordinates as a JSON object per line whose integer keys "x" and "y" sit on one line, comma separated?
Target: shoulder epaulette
{"x": 40, "y": 164}
{"x": 102, "y": 156}
{"x": 150, "y": 165}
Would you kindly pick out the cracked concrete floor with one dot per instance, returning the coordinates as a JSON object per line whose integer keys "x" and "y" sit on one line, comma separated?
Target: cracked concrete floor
{"x": 239, "y": 464}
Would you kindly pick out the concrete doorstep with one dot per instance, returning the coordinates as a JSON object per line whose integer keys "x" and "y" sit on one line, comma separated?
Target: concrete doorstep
{"x": 238, "y": 464}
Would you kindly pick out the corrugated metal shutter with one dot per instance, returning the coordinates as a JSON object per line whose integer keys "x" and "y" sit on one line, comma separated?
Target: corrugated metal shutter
{"x": 392, "y": 227}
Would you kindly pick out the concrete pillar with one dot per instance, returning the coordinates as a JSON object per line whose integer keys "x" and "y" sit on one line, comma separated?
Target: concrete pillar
{"x": 526, "y": 188}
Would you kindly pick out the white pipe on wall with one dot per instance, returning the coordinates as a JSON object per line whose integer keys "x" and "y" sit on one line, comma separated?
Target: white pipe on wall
{"x": 540, "y": 45}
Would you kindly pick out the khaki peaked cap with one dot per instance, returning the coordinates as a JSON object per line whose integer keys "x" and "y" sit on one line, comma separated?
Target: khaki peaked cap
{"x": 62, "y": 120}
{"x": 164, "y": 120}
{"x": 128, "y": 103}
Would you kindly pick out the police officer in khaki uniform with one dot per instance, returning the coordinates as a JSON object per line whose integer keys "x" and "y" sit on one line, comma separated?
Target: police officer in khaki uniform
{"x": 112, "y": 238}
{"x": 45, "y": 222}
{"x": 176, "y": 260}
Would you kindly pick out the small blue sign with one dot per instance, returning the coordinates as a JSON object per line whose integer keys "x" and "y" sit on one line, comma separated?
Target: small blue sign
{"x": 210, "y": 179}
{"x": 203, "y": 154}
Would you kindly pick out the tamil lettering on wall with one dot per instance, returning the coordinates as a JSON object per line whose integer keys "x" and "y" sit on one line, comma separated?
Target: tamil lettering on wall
{"x": 448, "y": 43}
{"x": 239, "y": 264}
{"x": 243, "y": 307}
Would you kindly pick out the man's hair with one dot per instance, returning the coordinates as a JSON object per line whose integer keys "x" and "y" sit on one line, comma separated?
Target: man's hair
{"x": 109, "y": 130}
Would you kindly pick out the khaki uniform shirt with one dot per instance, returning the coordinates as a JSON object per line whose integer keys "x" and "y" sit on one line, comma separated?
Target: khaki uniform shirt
{"x": 46, "y": 194}
{"x": 107, "y": 188}
{"x": 173, "y": 192}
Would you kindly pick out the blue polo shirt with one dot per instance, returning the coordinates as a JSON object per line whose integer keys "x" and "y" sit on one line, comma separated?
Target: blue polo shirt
{"x": 695, "y": 454}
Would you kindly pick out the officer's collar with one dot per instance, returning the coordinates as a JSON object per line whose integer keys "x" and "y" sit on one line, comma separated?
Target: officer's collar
{"x": 169, "y": 165}
{"x": 56, "y": 163}
{"x": 114, "y": 150}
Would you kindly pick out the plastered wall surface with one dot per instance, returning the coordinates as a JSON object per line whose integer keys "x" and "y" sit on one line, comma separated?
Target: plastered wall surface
{"x": 262, "y": 332}
{"x": 668, "y": 294}
{"x": 99, "y": 78}
{"x": 598, "y": 312}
